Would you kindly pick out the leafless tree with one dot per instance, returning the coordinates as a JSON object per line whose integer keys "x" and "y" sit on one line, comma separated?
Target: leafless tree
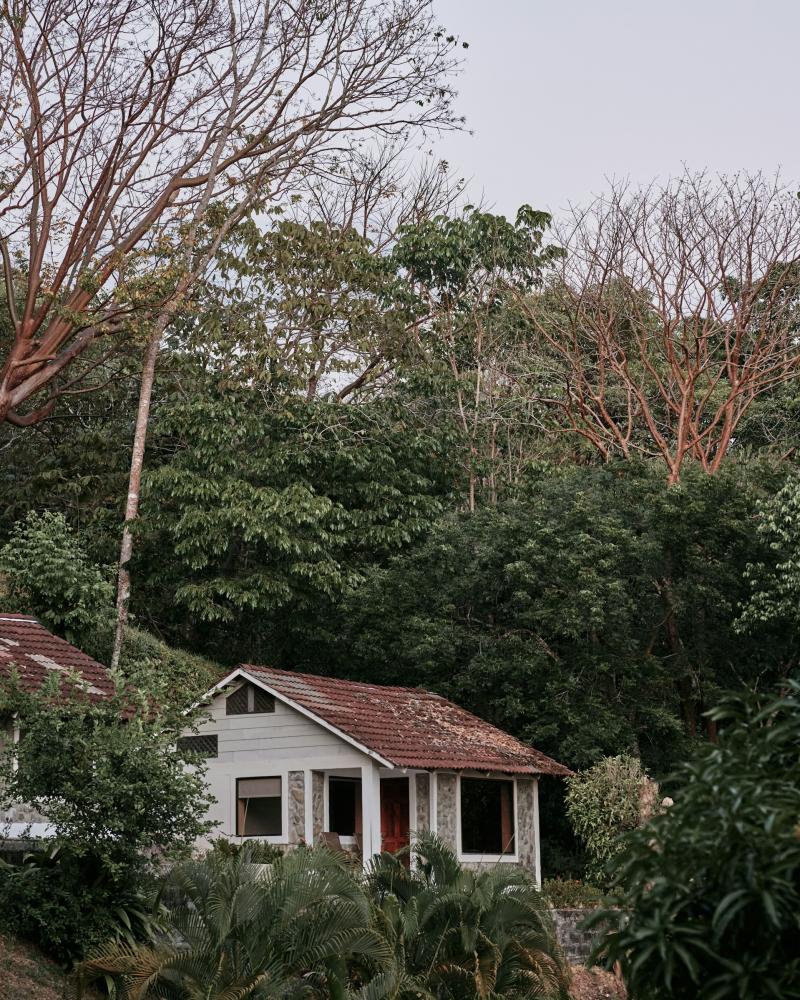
{"x": 122, "y": 124}
{"x": 674, "y": 309}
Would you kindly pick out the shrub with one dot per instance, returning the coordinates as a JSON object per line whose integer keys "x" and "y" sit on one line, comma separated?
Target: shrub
{"x": 708, "y": 894}
{"x": 67, "y": 903}
{"x": 568, "y": 893}
{"x": 311, "y": 925}
{"x": 119, "y": 796}
{"x": 608, "y": 799}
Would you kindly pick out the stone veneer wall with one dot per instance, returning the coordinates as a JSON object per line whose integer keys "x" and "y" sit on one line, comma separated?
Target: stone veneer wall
{"x": 317, "y": 803}
{"x": 297, "y": 806}
{"x": 576, "y": 942}
{"x": 422, "y": 821}
{"x": 446, "y": 786}
{"x": 526, "y": 829}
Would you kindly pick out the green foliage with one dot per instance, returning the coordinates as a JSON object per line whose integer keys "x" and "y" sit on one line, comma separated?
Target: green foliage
{"x": 464, "y": 935}
{"x": 311, "y": 925}
{"x": 707, "y": 895}
{"x": 111, "y": 780}
{"x": 776, "y": 585}
{"x": 237, "y": 931}
{"x": 269, "y": 514}
{"x": 47, "y": 573}
{"x": 68, "y": 903}
{"x": 120, "y": 790}
{"x": 570, "y": 893}
{"x": 591, "y": 615}
{"x": 605, "y": 801}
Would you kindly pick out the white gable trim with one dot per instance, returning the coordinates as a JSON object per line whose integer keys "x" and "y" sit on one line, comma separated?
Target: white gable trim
{"x": 254, "y": 679}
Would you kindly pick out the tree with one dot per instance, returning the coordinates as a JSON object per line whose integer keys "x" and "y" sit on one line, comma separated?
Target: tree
{"x": 463, "y": 271}
{"x": 606, "y": 800}
{"x": 707, "y": 894}
{"x": 121, "y": 800}
{"x": 122, "y": 128}
{"x": 775, "y": 585}
{"x": 463, "y": 935}
{"x": 272, "y": 511}
{"x": 47, "y": 572}
{"x": 674, "y": 309}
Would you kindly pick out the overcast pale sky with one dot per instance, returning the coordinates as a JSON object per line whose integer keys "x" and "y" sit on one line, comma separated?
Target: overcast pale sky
{"x": 561, "y": 94}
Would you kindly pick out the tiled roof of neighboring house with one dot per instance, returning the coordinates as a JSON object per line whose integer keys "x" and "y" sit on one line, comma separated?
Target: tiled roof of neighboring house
{"x": 37, "y": 653}
{"x": 408, "y": 727}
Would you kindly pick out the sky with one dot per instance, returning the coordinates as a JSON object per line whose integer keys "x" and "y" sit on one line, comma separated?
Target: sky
{"x": 561, "y": 95}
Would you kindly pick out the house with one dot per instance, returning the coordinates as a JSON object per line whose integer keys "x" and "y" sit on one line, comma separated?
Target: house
{"x": 35, "y": 654}
{"x": 292, "y": 757}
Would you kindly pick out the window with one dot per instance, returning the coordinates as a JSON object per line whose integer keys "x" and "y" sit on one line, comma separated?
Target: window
{"x": 205, "y": 745}
{"x": 249, "y": 699}
{"x": 344, "y": 806}
{"x": 259, "y": 811}
{"x": 487, "y": 816}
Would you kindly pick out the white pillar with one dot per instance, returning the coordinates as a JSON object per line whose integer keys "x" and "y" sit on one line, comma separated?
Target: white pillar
{"x": 308, "y": 793}
{"x": 371, "y": 810}
{"x": 537, "y": 844}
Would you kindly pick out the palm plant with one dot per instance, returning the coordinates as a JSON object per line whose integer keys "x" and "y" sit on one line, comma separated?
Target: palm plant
{"x": 240, "y": 932}
{"x": 462, "y": 935}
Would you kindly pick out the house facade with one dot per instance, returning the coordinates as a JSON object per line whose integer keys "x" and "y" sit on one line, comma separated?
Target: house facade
{"x": 294, "y": 758}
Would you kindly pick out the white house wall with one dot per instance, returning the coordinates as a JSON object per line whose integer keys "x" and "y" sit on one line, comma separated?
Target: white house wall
{"x": 284, "y": 744}
{"x": 284, "y": 734}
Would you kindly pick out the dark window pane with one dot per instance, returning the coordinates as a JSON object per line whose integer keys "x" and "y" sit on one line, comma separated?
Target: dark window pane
{"x": 487, "y": 816}
{"x": 262, "y": 701}
{"x": 261, "y": 818}
{"x": 258, "y": 815}
{"x": 236, "y": 703}
{"x": 205, "y": 745}
{"x": 342, "y": 793}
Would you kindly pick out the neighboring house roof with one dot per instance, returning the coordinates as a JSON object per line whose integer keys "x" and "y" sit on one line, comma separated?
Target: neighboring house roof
{"x": 406, "y": 727}
{"x": 35, "y": 653}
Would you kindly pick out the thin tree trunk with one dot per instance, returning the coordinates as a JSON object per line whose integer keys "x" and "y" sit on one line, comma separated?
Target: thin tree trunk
{"x": 134, "y": 488}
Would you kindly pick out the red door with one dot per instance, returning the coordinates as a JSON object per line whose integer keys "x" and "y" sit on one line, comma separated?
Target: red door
{"x": 395, "y": 823}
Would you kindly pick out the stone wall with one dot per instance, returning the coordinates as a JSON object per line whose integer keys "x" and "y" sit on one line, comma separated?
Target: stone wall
{"x": 422, "y": 821}
{"x": 297, "y": 806}
{"x": 317, "y": 803}
{"x": 446, "y": 786}
{"x": 576, "y": 942}
{"x": 526, "y": 828}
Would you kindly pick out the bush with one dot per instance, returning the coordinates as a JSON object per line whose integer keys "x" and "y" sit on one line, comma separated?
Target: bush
{"x": 708, "y": 894}
{"x": 112, "y": 780}
{"x": 608, "y": 799}
{"x": 313, "y": 926}
{"x": 67, "y": 904}
{"x": 569, "y": 893}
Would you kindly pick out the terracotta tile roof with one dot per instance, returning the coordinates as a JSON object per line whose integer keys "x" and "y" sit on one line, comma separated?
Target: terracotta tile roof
{"x": 408, "y": 726}
{"x": 37, "y": 653}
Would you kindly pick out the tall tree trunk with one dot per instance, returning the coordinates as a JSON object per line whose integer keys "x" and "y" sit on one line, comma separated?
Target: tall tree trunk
{"x": 134, "y": 488}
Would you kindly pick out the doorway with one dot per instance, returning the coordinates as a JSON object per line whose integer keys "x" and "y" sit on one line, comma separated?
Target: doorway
{"x": 395, "y": 814}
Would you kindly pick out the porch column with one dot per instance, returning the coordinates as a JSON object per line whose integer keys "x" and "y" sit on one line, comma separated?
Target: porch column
{"x": 371, "y": 810}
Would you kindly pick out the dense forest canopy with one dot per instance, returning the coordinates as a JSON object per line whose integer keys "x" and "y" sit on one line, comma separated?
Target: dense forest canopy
{"x": 514, "y": 464}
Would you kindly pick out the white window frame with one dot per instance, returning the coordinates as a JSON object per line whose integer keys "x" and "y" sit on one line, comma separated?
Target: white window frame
{"x": 283, "y": 837}
{"x": 487, "y": 858}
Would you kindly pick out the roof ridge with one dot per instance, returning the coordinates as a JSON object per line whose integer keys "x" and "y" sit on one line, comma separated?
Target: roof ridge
{"x": 342, "y": 680}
